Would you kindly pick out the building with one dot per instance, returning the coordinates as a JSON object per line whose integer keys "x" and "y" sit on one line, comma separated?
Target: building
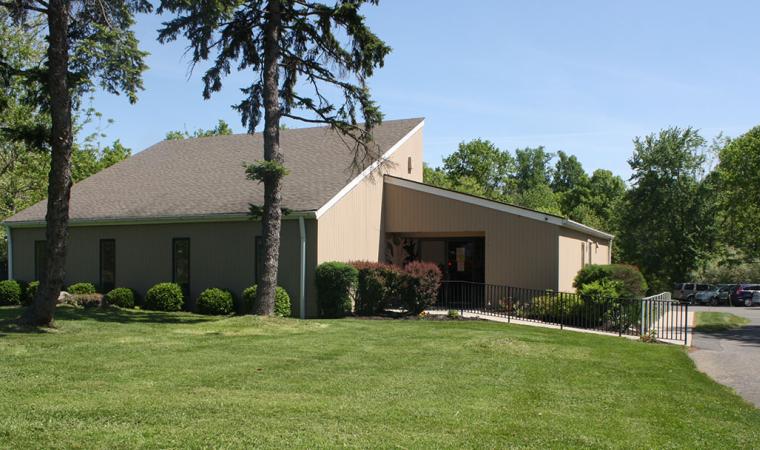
{"x": 178, "y": 211}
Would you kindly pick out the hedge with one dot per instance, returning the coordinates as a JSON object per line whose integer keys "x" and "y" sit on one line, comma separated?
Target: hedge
{"x": 10, "y": 292}
{"x": 164, "y": 297}
{"x": 215, "y": 302}
{"x": 81, "y": 288}
{"x": 631, "y": 282}
{"x": 282, "y": 306}
{"x": 121, "y": 297}
{"x": 378, "y": 284}
{"x": 336, "y": 283}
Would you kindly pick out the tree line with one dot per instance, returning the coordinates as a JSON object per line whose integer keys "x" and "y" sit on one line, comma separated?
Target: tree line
{"x": 679, "y": 217}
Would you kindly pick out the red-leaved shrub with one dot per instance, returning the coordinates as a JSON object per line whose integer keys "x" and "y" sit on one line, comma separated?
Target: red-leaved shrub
{"x": 419, "y": 286}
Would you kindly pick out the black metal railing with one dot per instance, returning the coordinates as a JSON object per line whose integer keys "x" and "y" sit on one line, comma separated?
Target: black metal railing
{"x": 664, "y": 320}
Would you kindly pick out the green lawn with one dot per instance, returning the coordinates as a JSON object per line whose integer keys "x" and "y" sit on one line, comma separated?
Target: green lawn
{"x": 717, "y": 321}
{"x": 116, "y": 379}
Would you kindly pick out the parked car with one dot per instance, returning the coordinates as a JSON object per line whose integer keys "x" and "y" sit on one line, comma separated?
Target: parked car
{"x": 755, "y": 299}
{"x": 724, "y": 293}
{"x": 708, "y": 296}
{"x": 686, "y": 292}
{"x": 742, "y": 296}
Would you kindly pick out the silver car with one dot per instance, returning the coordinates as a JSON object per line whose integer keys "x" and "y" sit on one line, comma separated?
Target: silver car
{"x": 755, "y": 299}
{"x": 709, "y": 296}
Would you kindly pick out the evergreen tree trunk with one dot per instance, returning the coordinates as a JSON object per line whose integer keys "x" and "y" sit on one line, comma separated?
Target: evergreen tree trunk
{"x": 41, "y": 312}
{"x": 272, "y": 214}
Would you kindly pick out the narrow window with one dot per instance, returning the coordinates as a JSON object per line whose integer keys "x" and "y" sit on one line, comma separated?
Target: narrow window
{"x": 409, "y": 164}
{"x": 40, "y": 259}
{"x": 259, "y": 262}
{"x": 181, "y": 264}
{"x": 107, "y": 264}
{"x": 583, "y": 254}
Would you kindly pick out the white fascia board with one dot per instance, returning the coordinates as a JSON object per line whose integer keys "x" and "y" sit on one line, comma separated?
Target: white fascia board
{"x": 366, "y": 172}
{"x": 587, "y": 229}
{"x": 490, "y": 204}
{"x": 211, "y": 218}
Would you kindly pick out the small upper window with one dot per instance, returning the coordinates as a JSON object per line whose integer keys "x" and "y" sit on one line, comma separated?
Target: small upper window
{"x": 409, "y": 164}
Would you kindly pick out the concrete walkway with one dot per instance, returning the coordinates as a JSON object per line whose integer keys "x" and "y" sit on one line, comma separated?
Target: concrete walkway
{"x": 732, "y": 357}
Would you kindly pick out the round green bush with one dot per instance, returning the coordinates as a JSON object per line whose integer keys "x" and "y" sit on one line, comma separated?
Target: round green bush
{"x": 215, "y": 302}
{"x": 10, "y": 292}
{"x": 164, "y": 297}
{"x": 121, "y": 297}
{"x": 81, "y": 288}
{"x": 336, "y": 283}
{"x": 30, "y": 292}
{"x": 281, "y": 301}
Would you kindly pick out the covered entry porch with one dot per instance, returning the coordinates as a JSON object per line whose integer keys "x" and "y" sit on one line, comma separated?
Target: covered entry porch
{"x": 460, "y": 256}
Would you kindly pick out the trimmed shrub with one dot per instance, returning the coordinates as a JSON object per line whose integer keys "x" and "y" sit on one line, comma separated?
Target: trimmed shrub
{"x": 632, "y": 282}
{"x": 164, "y": 297}
{"x": 121, "y": 297}
{"x": 419, "y": 286}
{"x": 215, "y": 302}
{"x": 281, "y": 301}
{"x": 378, "y": 284}
{"x": 30, "y": 292}
{"x": 600, "y": 289}
{"x": 81, "y": 288}
{"x": 336, "y": 283}
{"x": 10, "y": 292}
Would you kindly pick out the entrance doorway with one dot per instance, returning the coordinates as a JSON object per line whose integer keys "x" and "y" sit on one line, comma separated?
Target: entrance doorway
{"x": 459, "y": 258}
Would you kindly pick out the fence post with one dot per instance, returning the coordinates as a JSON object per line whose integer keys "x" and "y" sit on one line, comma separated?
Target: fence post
{"x": 620, "y": 318}
{"x": 686, "y": 324}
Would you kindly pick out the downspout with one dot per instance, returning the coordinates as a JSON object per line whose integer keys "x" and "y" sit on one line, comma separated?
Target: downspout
{"x": 10, "y": 251}
{"x": 302, "y": 292}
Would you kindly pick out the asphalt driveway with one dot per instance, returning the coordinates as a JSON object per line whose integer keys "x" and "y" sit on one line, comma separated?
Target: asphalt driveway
{"x": 731, "y": 357}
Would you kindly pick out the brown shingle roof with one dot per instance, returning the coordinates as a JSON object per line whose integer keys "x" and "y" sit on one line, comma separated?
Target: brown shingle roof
{"x": 206, "y": 177}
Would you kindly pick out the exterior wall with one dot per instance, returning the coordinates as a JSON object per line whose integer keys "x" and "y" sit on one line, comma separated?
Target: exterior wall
{"x": 575, "y": 251}
{"x": 221, "y": 255}
{"x": 519, "y": 251}
{"x": 352, "y": 228}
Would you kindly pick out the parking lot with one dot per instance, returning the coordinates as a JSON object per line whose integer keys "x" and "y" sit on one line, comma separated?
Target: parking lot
{"x": 731, "y": 357}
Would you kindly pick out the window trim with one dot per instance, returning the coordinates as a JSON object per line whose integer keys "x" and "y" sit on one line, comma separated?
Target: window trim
{"x": 100, "y": 262}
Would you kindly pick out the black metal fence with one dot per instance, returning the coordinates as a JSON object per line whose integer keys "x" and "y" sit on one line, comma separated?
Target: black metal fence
{"x": 662, "y": 319}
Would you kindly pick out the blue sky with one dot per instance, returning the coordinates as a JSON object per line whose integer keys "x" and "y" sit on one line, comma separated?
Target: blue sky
{"x": 585, "y": 77}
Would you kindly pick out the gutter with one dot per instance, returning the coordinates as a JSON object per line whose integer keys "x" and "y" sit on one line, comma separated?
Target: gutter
{"x": 200, "y": 218}
{"x": 10, "y": 251}
{"x": 302, "y": 278}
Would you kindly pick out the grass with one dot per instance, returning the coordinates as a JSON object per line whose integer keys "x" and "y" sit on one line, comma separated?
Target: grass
{"x": 717, "y": 321}
{"x": 124, "y": 379}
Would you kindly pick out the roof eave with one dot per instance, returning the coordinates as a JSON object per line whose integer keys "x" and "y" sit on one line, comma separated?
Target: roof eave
{"x": 210, "y": 218}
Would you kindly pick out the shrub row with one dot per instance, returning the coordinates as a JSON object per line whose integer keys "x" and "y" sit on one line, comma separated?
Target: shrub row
{"x": 371, "y": 287}
{"x": 161, "y": 297}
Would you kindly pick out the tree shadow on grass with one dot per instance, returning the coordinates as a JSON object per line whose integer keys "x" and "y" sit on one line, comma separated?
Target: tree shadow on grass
{"x": 9, "y": 318}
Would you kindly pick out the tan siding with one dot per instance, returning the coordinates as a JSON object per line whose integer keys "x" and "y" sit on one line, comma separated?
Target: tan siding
{"x": 575, "y": 250}
{"x": 519, "y": 251}
{"x": 352, "y": 228}
{"x": 222, "y": 255}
